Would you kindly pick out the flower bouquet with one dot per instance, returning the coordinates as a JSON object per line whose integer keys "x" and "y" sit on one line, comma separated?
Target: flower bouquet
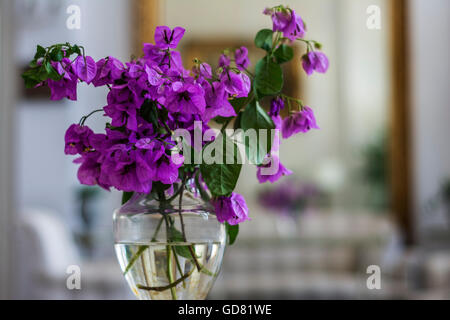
{"x": 177, "y": 173}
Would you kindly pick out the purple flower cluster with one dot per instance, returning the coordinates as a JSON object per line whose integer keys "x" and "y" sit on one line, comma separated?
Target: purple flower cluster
{"x": 315, "y": 61}
{"x": 134, "y": 151}
{"x": 232, "y": 209}
{"x": 286, "y": 21}
{"x": 301, "y": 121}
{"x": 149, "y": 98}
{"x": 274, "y": 162}
{"x": 67, "y": 86}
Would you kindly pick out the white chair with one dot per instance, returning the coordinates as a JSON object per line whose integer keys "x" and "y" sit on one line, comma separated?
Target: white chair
{"x": 45, "y": 249}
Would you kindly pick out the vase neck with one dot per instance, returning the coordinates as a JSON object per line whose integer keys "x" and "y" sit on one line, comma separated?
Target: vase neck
{"x": 187, "y": 194}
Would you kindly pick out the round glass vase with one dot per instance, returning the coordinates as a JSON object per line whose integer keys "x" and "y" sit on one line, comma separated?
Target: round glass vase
{"x": 169, "y": 246}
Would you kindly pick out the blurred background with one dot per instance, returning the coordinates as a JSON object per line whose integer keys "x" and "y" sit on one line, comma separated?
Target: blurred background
{"x": 371, "y": 187}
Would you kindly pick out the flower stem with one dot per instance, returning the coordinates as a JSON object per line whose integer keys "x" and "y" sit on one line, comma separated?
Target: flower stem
{"x": 157, "y": 230}
{"x": 84, "y": 118}
{"x": 169, "y": 286}
{"x": 170, "y": 276}
{"x": 178, "y": 266}
{"x": 190, "y": 247}
{"x": 134, "y": 258}
{"x": 175, "y": 255}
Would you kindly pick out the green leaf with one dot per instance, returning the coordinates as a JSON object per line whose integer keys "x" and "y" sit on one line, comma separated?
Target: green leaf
{"x": 176, "y": 236}
{"x": 30, "y": 83}
{"x": 57, "y": 54}
{"x": 33, "y": 64}
{"x": 126, "y": 196}
{"x": 149, "y": 112}
{"x": 221, "y": 120}
{"x": 254, "y": 117}
{"x": 232, "y": 232}
{"x": 76, "y": 49}
{"x": 221, "y": 178}
{"x": 268, "y": 77}
{"x": 263, "y": 39}
{"x": 42, "y": 73}
{"x": 284, "y": 53}
{"x": 34, "y": 76}
{"x": 239, "y": 103}
{"x": 31, "y": 78}
{"x": 40, "y": 52}
{"x": 51, "y": 72}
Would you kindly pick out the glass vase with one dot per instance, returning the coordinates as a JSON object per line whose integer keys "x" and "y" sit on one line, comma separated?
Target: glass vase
{"x": 169, "y": 246}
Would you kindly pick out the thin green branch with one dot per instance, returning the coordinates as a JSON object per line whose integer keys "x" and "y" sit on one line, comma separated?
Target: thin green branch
{"x": 169, "y": 286}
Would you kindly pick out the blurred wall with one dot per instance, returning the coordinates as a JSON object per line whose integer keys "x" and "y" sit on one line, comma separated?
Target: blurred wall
{"x": 7, "y": 95}
{"x": 430, "y": 64}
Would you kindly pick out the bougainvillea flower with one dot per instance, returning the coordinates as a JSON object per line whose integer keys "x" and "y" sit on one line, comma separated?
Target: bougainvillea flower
{"x": 77, "y": 139}
{"x": 203, "y": 70}
{"x": 186, "y": 98}
{"x": 126, "y": 169}
{"x": 90, "y": 170}
{"x": 166, "y": 169}
{"x": 108, "y": 70}
{"x": 276, "y": 105}
{"x": 224, "y": 61}
{"x": 66, "y": 87}
{"x": 241, "y": 58}
{"x": 315, "y": 61}
{"x": 154, "y": 76}
{"x": 166, "y": 38}
{"x": 231, "y": 209}
{"x": 281, "y": 20}
{"x": 122, "y": 114}
{"x": 288, "y": 22}
{"x": 85, "y": 68}
{"x": 301, "y": 121}
{"x": 172, "y": 62}
{"x": 278, "y": 170}
{"x": 135, "y": 69}
{"x": 295, "y": 28}
{"x": 236, "y": 84}
{"x": 217, "y": 102}
{"x": 63, "y": 89}
{"x": 153, "y": 54}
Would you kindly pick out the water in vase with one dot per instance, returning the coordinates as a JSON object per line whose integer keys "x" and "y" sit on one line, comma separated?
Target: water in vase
{"x": 166, "y": 271}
